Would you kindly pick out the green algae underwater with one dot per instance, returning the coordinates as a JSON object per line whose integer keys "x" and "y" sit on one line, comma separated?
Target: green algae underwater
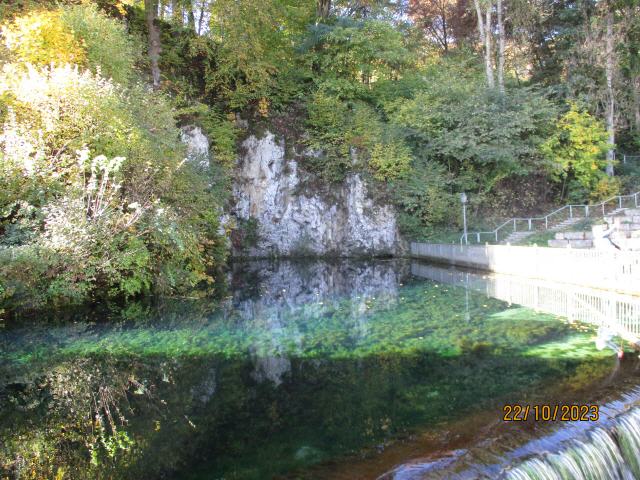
{"x": 306, "y": 365}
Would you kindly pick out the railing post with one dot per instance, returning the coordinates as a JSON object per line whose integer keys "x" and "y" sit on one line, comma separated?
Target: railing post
{"x": 478, "y": 236}
{"x": 546, "y": 222}
{"x": 496, "y": 236}
{"x": 620, "y": 201}
{"x": 529, "y": 224}
{"x": 570, "y": 211}
{"x": 586, "y": 210}
{"x": 515, "y": 228}
{"x": 635, "y": 198}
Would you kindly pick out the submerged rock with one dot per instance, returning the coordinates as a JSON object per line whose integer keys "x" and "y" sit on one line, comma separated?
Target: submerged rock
{"x": 295, "y": 216}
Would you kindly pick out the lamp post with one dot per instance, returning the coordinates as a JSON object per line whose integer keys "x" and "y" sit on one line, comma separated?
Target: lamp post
{"x": 463, "y": 199}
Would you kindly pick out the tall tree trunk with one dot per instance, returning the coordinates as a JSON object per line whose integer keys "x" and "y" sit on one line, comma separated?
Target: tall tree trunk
{"x": 500, "y": 48}
{"x": 151, "y": 14}
{"x": 191, "y": 16}
{"x": 324, "y": 8}
{"x": 445, "y": 33}
{"x": 484, "y": 32}
{"x": 610, "y": 94}
{"x": 476, "y": 3}
{"x": 636, "y": 101}
{"x": 488, "y": 57}
{"x": 203, "y": 4}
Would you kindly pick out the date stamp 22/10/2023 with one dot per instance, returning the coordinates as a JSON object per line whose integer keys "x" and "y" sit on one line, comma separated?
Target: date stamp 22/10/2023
{"x": 550, "y": 413}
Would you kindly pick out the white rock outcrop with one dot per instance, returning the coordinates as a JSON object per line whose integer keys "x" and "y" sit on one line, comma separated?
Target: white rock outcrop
{"x": 197, "y": 145}
{"x": 294, "y": 218}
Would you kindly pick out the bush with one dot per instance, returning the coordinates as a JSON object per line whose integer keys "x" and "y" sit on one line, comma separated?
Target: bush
{"x": 424, "y": 198}
{"x": 97, "y": 177}
{"x": 576, "y": 151}
{"x": 42, "y": 37}
{"x": 350, "y": 136}
{"x": 328, "y": 126}
{"x": 390, "y": 161}
{"x": 109, "y": 50}
{"x": 76, "y": 35}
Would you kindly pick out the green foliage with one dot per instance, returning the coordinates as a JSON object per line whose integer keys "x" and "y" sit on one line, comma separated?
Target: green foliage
{"x": 348, "y": 56}
{"x": 390, "y": 161}
{"x": 120, "y": 217}
{"x": 109, "y": 49}
{"x": 78, "y": 35}
{"x": 42, "y": 37}
{"x": 351, "y": 136}
{"x": 328, "y": 124}
{"x": 577, "y": 150}
{"x": 224, "y": 136}
{"x": 252, "y": 52}
{"x": 481, "y": 136}
{"x": 425, "y": 201}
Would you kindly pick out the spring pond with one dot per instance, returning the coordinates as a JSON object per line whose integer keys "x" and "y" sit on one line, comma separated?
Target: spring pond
{"x": 308, "y": 370}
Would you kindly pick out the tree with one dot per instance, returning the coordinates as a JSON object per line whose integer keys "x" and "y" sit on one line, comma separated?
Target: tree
{"x": 481, "y": 137}
{"x": 323, "y": 9}
{"x": 577, "y": 147}
{"x": 435, "y": 18}
{"x": 611, "y": 102}
{"x": 154, "y": 46}
{"x": 501, "y": 45}
{"x": 485, "y": 32}
{"x": 445, "y": 23}
{"x": 350, "y": 55}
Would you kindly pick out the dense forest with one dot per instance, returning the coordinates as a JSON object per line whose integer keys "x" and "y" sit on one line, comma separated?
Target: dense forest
{"x": 520, "y": 103}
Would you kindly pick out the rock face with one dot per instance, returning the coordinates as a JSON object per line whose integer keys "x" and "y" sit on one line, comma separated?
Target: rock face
{"x": 197, "y": 145}
{"x": 295, "y": 219}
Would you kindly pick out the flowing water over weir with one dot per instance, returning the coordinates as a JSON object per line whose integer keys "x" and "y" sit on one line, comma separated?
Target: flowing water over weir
{"x": 608, "y": 449}
{"x": 607, "y": 453}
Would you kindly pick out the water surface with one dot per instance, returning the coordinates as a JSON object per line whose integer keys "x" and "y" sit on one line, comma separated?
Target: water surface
{"x": 307, "y": 370}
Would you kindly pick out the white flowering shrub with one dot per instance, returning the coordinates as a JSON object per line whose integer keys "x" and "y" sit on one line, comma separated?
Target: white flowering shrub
{"x": 98, "y": 199}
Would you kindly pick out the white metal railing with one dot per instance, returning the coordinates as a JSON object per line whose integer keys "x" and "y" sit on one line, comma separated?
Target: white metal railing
{"x": 605, "y": 269}
{"x": 618, "y": 312}
{"x": 552, "y": 219}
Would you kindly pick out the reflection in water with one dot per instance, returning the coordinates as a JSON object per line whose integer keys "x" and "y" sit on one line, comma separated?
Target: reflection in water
{"x": 304, "y": 366}
{"x": 609, "y": 449}
{"x": 618, "y": 313}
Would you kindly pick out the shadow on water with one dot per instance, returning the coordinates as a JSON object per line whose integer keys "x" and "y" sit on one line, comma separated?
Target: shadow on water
{"x": 304, "y": 372}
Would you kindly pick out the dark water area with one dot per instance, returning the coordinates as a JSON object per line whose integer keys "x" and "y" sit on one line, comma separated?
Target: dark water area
{"x": 307, "y": 370}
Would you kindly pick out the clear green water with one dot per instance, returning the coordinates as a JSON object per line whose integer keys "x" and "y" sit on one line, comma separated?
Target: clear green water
{"x": 301, "y": 370}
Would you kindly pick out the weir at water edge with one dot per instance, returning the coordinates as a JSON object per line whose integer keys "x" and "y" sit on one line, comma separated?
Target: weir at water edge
{"x": 607, "y": 453}
{"x": 606, "y": 450}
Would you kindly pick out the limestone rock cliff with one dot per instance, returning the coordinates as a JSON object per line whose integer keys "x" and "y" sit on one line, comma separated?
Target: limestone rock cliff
{"x": 293, "y": 217}
{"x": 293, "y": 214}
